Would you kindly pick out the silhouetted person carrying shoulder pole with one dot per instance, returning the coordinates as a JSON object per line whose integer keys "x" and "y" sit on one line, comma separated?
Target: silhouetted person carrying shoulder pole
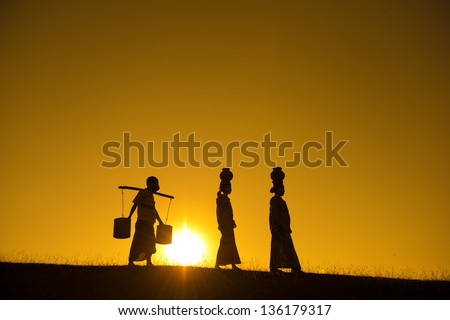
{"x": 282, "y": 251}
{"x": 227, "y": 253}
{"x": 144, "y": 243}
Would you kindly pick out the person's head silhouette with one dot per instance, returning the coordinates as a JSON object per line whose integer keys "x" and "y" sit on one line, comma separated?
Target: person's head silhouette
{"x": 277, "y": 177}
{"x": 225, "y": 187}
{"x": 152, "y": 184}
{"x": 225, "y": 181}
{"x": 278, "y": 190}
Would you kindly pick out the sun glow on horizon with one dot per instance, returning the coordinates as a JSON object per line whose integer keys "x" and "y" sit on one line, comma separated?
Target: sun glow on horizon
{"x": 187, "y": 249}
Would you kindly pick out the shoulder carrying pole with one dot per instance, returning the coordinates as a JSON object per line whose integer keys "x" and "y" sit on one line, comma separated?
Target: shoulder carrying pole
{"x": 137, "y": 189}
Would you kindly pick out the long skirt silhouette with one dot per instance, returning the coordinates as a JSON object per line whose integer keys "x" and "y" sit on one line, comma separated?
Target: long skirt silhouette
{"x": 144, "y": 243}
{"x": 228, "y": 252}
{"x": 282, "y": 251}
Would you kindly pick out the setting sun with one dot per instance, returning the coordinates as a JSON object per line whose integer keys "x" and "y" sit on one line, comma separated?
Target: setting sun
{"x": 187, "y": 248}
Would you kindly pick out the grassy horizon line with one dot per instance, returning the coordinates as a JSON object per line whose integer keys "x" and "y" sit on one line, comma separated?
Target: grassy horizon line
{"x": 250, "y": 265}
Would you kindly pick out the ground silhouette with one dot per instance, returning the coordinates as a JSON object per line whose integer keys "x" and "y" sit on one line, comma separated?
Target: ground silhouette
{"x": 47, "y": 281}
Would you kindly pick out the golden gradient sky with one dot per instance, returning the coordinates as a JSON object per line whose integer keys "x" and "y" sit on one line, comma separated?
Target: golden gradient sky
{"x": 76, "y": 75}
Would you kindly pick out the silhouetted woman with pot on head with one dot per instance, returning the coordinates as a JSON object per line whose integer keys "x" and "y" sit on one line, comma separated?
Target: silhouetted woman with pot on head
{"x": 282, "y": 251}
{"x": 227, "y": 253}
{"x": 144, "y": 243}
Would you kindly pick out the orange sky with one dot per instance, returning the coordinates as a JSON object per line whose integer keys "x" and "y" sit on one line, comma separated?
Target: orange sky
{"x": 77, "y": 75}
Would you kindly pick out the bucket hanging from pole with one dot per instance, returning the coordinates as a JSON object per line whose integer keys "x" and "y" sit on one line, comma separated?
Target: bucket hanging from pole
{"x": 122, "y": 228}
{"x": 164, "y": 231}
{"x": 164, "y": 234}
